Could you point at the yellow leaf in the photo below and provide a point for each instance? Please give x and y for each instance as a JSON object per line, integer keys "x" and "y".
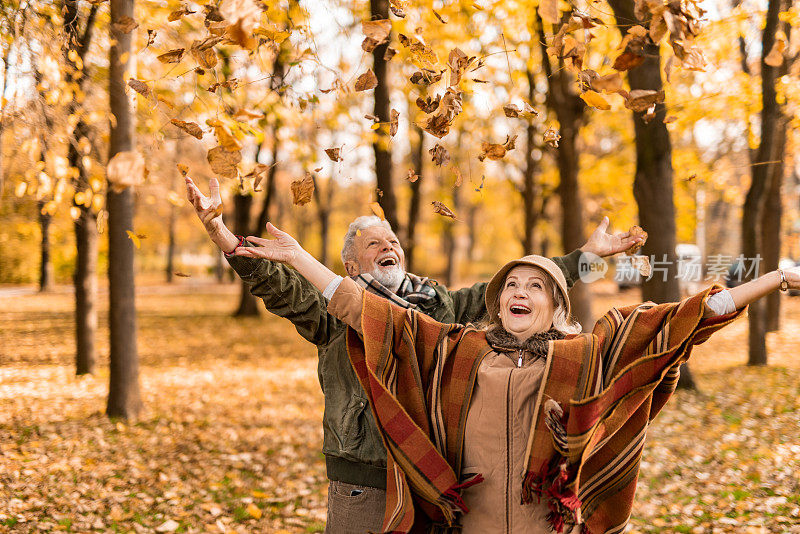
{"x": 254, "y": 510}
{"x": 596, "y": 100}
{"x": 133, "y": 237}
{"x": 259, "y": 494}
{"x": 377, "y": 210}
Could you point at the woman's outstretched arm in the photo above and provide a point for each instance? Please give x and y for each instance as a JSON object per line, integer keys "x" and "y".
{"x": 755, "y": 289}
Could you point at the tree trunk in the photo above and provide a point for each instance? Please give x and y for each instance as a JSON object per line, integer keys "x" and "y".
{"x": 248, "y": 304}
{"x": 379, "y": 10}
{"x": 171, "y": 244}
{"x": 6, "y": 57}
{"x": 45, "y": 265}
{"x": 417, "y": 149}
{"x": 653, "y": 181}
{"x": 771, "y": 232}
{"x": 529, "y": 186}
{"x": 85, "y": 281}
{"x": 755, "y": 199}
{"x": 124, "y": 396}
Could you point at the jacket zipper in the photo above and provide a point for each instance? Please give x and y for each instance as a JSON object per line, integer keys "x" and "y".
{"x": 519, "y": 362}
{"x": 508, "y": 452}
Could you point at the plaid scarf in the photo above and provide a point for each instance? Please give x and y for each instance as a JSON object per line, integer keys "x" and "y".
{"x": 599, "y": 393}
{"x": 413, "y": 290}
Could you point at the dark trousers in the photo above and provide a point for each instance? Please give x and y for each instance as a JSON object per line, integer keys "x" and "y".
{"x": 354, "y": 509}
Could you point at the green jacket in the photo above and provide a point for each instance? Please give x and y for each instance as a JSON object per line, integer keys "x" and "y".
{"x": 352, "y": 445}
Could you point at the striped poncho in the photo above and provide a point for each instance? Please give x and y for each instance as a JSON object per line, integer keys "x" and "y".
{"x": 599, "y": 393}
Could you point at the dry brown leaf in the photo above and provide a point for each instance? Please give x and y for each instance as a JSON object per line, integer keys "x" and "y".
{"x": 178, "y": 13}
{"x": 141, "y": 88}
{"x": 302, "y": 190}
{"x": 513, "y": 111}
{"x": 636, "y": 231}
{"x": 258, "y": 174}
{"x": 412, "y": 176}
{"x": 450, "y": 106}
{"x": 151, "y": 37}
{"x": 190, "y": 128}
{"x": 125, "y": 169}
{"x": 182, "y": 275}
{"x": 224, "y": 162}
{"x": 389, "y": 53}
{"x": 459, "y": 176}
{"x": 496, "y": 151}
{"x": 398, "y": 7}
{"x": 610, "y": 83}
{"x": 428, "y": 105}
{"x": 640, "y": 100}
{"x": 439, "y": 155}
{"x": 394, "y": 115}
{"x": 366, "y": 81}
{"x": 247, "y": 115}
{"x": 334, "y": 154}
{"x": 173, "y": 56}
{"x": 425, "y": 77}
{"x": 125, "y": 24}
{"x": 438, "y": 16}
{"x": 642, "y": 264}
{"x": 595, "y": 100}
{"x": 376, "y": 33}
{"x": 205, "y": 56}
{"x": 457, "y": 61}
{"x": 441, "y": 209}
{"x": 224, "y": 136}
{"x": 183, "y": 169}
{"x": 775, "y": 56}
{"x": 552, "y": 137}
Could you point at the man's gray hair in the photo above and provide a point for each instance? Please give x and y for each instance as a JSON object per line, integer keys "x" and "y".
{"x": 361, "y": 223}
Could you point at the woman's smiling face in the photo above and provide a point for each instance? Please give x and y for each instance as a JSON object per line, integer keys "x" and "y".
{"x": 526, "y": 302}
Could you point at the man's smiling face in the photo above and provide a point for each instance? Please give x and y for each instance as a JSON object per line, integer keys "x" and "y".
{"x": 378, "y": 252}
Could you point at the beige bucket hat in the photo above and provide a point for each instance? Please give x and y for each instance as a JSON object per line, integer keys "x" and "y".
{"x": 545, "y": 264}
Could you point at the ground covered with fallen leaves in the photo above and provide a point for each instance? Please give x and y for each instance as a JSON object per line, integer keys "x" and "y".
{"x": 230, "y": 437}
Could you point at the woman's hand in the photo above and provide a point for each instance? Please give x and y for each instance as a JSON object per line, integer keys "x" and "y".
{"x": 284, "y": 248}
{"x": 792, "y": 275}
{"x": 605, "y": 244}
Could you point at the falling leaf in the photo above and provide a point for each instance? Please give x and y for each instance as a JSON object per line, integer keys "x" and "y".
{"x": 151, "y": 37}
{"x": 552, "y": 137}
{"x": 182, "y": 275}
{"x": 223, "y": 162}
{"x": 371, "y": 117}
{"x": 125, "y": 24}
{"x": 334, "y": 154}
{"x": 173, "y": 56}
{"x": 136, "y": 243}
{"x": 428, "y": 105}
{"x": 302, "y": 190}
{"x": 420, "y": 54}
{"x": 125, "y": 169}
{"x": 394, "y": 115}
{"x": 258, "y": 174}
{"x": 459, "y": 176}
{"x": 203, "y": 52}
{"x": 650, "y": 114}
{"x": 483, "y": 180}
{"x": 377, "y": 210}
{"x": 548, "y": 10}
{"x": 636, "y": 231}
{"x": 640, "y": 100}
{"x": 183, "y": 169}
{"x": 178, "y": 13}
{"x": 439, "y": 17}
{"x": 412, "y": 176}
{"x": 450, "y": 106}
{"x": 642, "y": 264}
{"x": 609, "y": 83}
{"x": 595, "y": 100}
{"x": 439, "y": 155}
{"x": 225, "y": 138}
{"x": 457, "y": 61}
{"x": 398, "y": 7}
{"x": 425, "y": 77}
{"x": 443, "y": 210}
{"x": 254, "y": 510}
{"x": 775, "y": 56}
{"x": 513, "y": 111}
{"x": 247, "y": 115}
{"x": 366, "y": 81}
{"x": 496, "y": 151}
{"x": 141, "y": 88}
{"x": 376, "y": 32}
{"x": 389, "y": 53}
{"x": 191, "y": 128}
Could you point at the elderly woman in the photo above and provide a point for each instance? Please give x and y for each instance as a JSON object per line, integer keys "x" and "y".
{"x": 526, "y": 424}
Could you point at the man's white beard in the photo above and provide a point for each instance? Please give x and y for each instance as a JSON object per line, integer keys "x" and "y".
{"x": 389, "y": 277}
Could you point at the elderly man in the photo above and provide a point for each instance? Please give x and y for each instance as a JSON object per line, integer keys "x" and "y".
{"x": 354, "y": 453}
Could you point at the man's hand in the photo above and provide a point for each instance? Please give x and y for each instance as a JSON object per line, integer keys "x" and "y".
{"x": 208, "y": 209}
{"x": 604, "y": 244}
{"x": 283, "y": 248}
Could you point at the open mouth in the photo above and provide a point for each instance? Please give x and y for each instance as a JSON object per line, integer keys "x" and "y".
{"x": 519, "y": 309}
{"x": 388, "y": 261}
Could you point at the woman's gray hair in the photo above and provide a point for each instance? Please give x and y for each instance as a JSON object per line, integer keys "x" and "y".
{"x": 561, "y": 322}
{"x": 361, "y": 223}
